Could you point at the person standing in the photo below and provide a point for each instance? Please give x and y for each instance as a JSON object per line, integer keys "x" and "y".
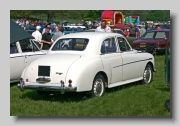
{"x": 158, "y": 27}
{"x": 103, "y": 27}
{"x": 43, "y": 31}
{"x": 57, "y": 34}
{"x": 133, "y": 31}
{"x": 46, "y": 38}
{"x": 112, "y": 30}
{"x": 126, "y": 32}
{"x": 35, "y": 23}
{"x": 37, "y": 35}
{"x": 142, "y": 30}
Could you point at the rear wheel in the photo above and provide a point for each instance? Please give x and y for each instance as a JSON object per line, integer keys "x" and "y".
{"x": 147, "y": 75}
{"x": 98, "y": 88}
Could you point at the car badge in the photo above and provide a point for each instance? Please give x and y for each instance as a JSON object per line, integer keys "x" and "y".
{"x": 59, "y": 73}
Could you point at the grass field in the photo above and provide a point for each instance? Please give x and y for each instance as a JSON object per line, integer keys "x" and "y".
{"x": 128, "y": 100}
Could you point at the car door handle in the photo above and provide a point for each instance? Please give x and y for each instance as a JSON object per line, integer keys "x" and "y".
{"x": 25, "y": 56}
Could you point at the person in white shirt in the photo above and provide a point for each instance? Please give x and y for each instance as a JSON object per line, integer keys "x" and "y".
{"x": 38, "y": 36}
{"x": 103, "y": 27}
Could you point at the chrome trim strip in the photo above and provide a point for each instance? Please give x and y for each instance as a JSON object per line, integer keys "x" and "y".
{"x": 43, "y": 80}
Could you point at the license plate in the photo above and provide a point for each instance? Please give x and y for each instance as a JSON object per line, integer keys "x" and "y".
{"x": 44, "y": 71}
{"x": 142, "y": 45}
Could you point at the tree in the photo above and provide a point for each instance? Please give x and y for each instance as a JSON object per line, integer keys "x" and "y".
{"x": 155, "y": 15}
{"x": 93, "y": 15}
{"x": 20, "y": 13}
{"x": 166, "y": 15}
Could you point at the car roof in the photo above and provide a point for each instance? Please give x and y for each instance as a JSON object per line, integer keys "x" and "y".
{"x": 158, "y": 30}
{"x": 89, "y": 35}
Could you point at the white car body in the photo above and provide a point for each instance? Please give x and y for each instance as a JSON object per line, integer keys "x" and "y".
{"x": 118, "y": 68}
{"x": 20, "y": 60}
{"x": 70, "y": 26}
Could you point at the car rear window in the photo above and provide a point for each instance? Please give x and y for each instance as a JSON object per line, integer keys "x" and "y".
{"x": 156, "y": 35}
{"x": 71, "y": 44}
{"x": 148, "y": 35}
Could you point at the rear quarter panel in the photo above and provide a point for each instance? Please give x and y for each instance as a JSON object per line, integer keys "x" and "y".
{"x": 145, "y": 59}
{"x": 83, "y": 71}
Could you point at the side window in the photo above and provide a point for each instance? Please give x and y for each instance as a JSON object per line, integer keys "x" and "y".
{"x": 108, "y": 46}
{"x": 26, "y": 45}
{"x": 13, "y": 48}
{"x": 123, "y": 45}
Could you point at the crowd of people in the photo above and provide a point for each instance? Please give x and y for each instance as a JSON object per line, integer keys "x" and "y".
{"x": 44, "y": 39}
{"x": 134, "y": 30}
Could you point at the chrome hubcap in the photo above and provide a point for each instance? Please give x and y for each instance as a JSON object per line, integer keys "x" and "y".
{"x": 98, "y": 87}
{"x": 147, "y": 75}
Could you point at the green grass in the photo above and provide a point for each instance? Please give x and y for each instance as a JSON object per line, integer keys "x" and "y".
{"x": 128, "y": 100}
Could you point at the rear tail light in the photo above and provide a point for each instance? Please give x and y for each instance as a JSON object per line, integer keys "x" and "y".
{"x": 27, "y": 80}
{"x": 62, "y": 83}
{"x": 70, "y": 81}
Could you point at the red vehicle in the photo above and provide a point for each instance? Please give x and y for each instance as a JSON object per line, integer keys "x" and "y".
{"x": 154, "y": 37}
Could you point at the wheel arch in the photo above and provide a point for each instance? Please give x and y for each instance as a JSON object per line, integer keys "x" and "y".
{"x": 150, "y": 63}
{"x": 105, "y": 77}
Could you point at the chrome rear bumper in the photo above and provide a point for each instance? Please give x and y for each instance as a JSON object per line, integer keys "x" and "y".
{"x": 24, "y": 86}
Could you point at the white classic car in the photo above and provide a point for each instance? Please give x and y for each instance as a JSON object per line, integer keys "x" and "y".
{"x": 23, "y": 51}
{"x": 91, "y": 62}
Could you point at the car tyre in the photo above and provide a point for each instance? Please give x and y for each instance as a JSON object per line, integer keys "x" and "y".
{"x": 148, "y": 74}
{"x": 98, "y": 88}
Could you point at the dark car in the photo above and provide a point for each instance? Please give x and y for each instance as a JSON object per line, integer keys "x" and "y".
{"x": 154, "y": 38}
{"x": 119, "y": 31}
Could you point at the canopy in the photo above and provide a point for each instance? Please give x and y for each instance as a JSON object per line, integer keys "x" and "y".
{"x": 17, "y": 33}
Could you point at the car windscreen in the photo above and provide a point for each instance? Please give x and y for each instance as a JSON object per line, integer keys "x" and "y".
{"x": 156, "y": 35}
{"x": 71, "y": 44}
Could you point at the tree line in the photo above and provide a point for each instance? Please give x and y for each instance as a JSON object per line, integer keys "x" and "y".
{"x": 50, "y": 15}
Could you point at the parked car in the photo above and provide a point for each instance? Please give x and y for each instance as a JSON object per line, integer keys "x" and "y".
{"x": 78, "y": 29}
{"x": 116, "y": 30}
{"x": 91, "y": 62}
{"x": 90, "y": 30}
{"x": 119, "y": 31}
{"x": 69, "y": 31}
{"x": 22, "y": 51}
{"x": 156, "y": 38}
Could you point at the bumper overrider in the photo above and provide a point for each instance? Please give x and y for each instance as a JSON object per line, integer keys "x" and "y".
{"x": 22, "y": 86}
